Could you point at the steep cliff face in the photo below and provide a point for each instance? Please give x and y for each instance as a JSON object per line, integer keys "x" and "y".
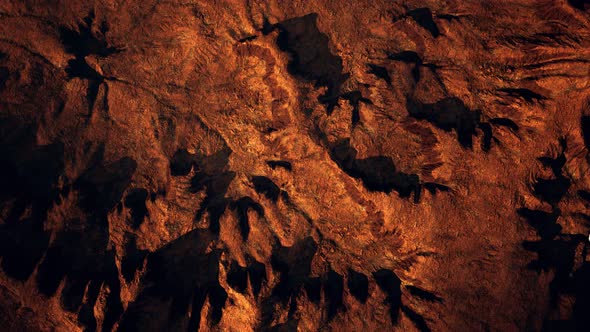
{"x": 294, "y": 165}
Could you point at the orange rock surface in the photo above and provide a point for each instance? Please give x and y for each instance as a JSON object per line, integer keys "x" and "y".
{"x": 250, "y": 165}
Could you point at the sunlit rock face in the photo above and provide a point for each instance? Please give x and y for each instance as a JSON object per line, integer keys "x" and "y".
{"x": 294, "y": 166}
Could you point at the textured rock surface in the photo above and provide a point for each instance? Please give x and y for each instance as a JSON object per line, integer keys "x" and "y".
{"x": 250, "y": 165}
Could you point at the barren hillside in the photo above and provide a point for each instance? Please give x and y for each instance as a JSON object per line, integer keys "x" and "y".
{"x": 251, "y": 165}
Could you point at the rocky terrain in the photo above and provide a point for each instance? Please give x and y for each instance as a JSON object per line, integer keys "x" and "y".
{"x": 251, "y": 165}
